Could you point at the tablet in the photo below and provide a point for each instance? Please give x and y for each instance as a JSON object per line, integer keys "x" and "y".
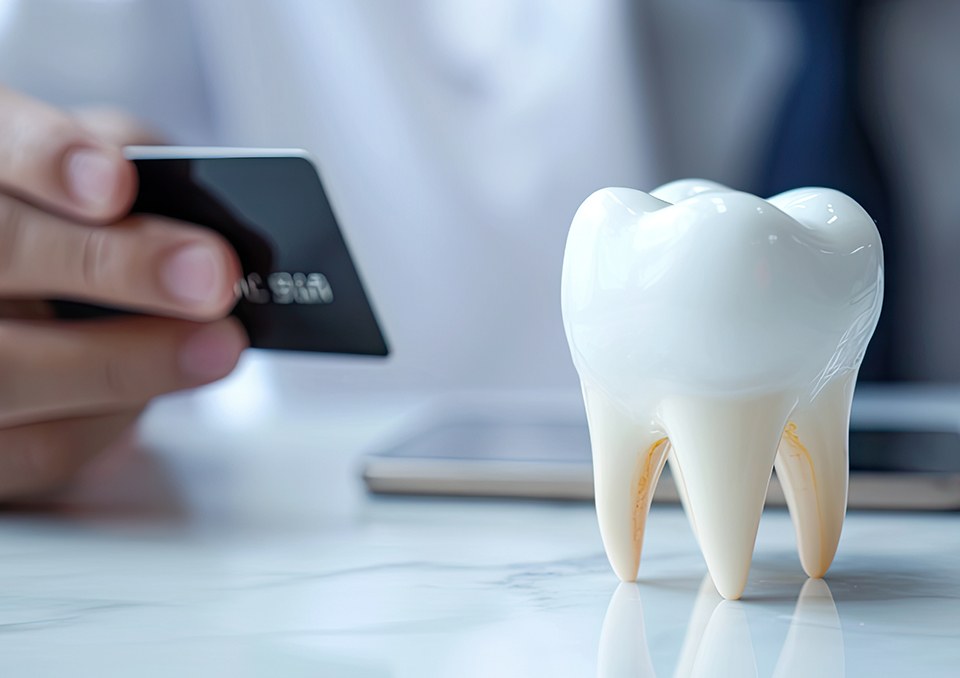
{"x": 895, "y": 463}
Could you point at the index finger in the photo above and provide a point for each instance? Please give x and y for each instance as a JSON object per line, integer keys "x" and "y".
{"x": 52, "y": 161}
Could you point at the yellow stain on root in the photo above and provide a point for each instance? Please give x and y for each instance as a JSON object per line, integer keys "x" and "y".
{"x": 643, "y": 488}
{"x": 799, "y": 450}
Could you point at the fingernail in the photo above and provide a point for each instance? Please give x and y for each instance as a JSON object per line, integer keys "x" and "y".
{"x": 193, "y": 274}
{"x": 91, "y": 177}
{"x": 212, "y": 351}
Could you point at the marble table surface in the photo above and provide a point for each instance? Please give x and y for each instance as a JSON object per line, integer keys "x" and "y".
{"x": 233, "y": 537}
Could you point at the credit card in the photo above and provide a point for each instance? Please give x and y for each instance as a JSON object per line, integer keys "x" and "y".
{"x": 300, "y": 289}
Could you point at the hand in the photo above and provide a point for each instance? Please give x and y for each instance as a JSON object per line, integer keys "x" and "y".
{"x": 68, "y": 389}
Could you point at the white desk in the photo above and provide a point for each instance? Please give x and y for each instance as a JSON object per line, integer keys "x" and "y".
{"x": 243, "y": 544}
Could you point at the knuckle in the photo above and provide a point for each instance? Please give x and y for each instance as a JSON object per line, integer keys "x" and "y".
{"x": 36, "y": 136}
{"x": 117, "y": 381}
{"x": 117, "y": 125}
{"x": 96, "y": 261}
{"x": 54, "y": 132}
{"x": 40, "y": 461}
{"x": 12, "y": 231}
{"x": 49, "y": 465}
{"x": 10, "y": 383}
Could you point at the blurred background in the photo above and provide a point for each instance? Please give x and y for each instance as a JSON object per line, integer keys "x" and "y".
{"x": 457, "y": 138}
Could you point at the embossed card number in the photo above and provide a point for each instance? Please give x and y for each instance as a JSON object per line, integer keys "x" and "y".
{"x": 286, "y": 288}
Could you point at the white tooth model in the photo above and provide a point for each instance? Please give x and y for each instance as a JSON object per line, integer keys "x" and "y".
{"x": 725, "y": 332}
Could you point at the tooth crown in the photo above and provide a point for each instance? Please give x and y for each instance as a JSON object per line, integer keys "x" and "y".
{"x": 721, "y": 292}
{"x": 691, "y": 313}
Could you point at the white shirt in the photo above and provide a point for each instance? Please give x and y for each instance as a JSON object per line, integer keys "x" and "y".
{"x": 457, "y": 137}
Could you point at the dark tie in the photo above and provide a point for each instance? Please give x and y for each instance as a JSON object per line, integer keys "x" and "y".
{"x": 819, "y": 139}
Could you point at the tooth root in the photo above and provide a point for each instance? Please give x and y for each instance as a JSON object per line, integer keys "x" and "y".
{"x": 628, "y": 456}
{"x": 703, "y": 607}
{"x": 813, "y": 470}
{"x": 725, "y": 449}
{"x": 677, "y": 474}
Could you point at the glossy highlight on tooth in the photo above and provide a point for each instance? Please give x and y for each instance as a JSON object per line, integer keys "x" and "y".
{"x": 723, "y": 333}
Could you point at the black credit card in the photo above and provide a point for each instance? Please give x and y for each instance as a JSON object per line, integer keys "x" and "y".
{"x": 300, "y": 289}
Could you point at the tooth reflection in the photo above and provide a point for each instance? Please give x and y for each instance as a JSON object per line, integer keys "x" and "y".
{"x": 623, "y": 639}
{"x": 717, "y": 636}
{"x": 718, "y": 640}
{"x": 814, "y": 645}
